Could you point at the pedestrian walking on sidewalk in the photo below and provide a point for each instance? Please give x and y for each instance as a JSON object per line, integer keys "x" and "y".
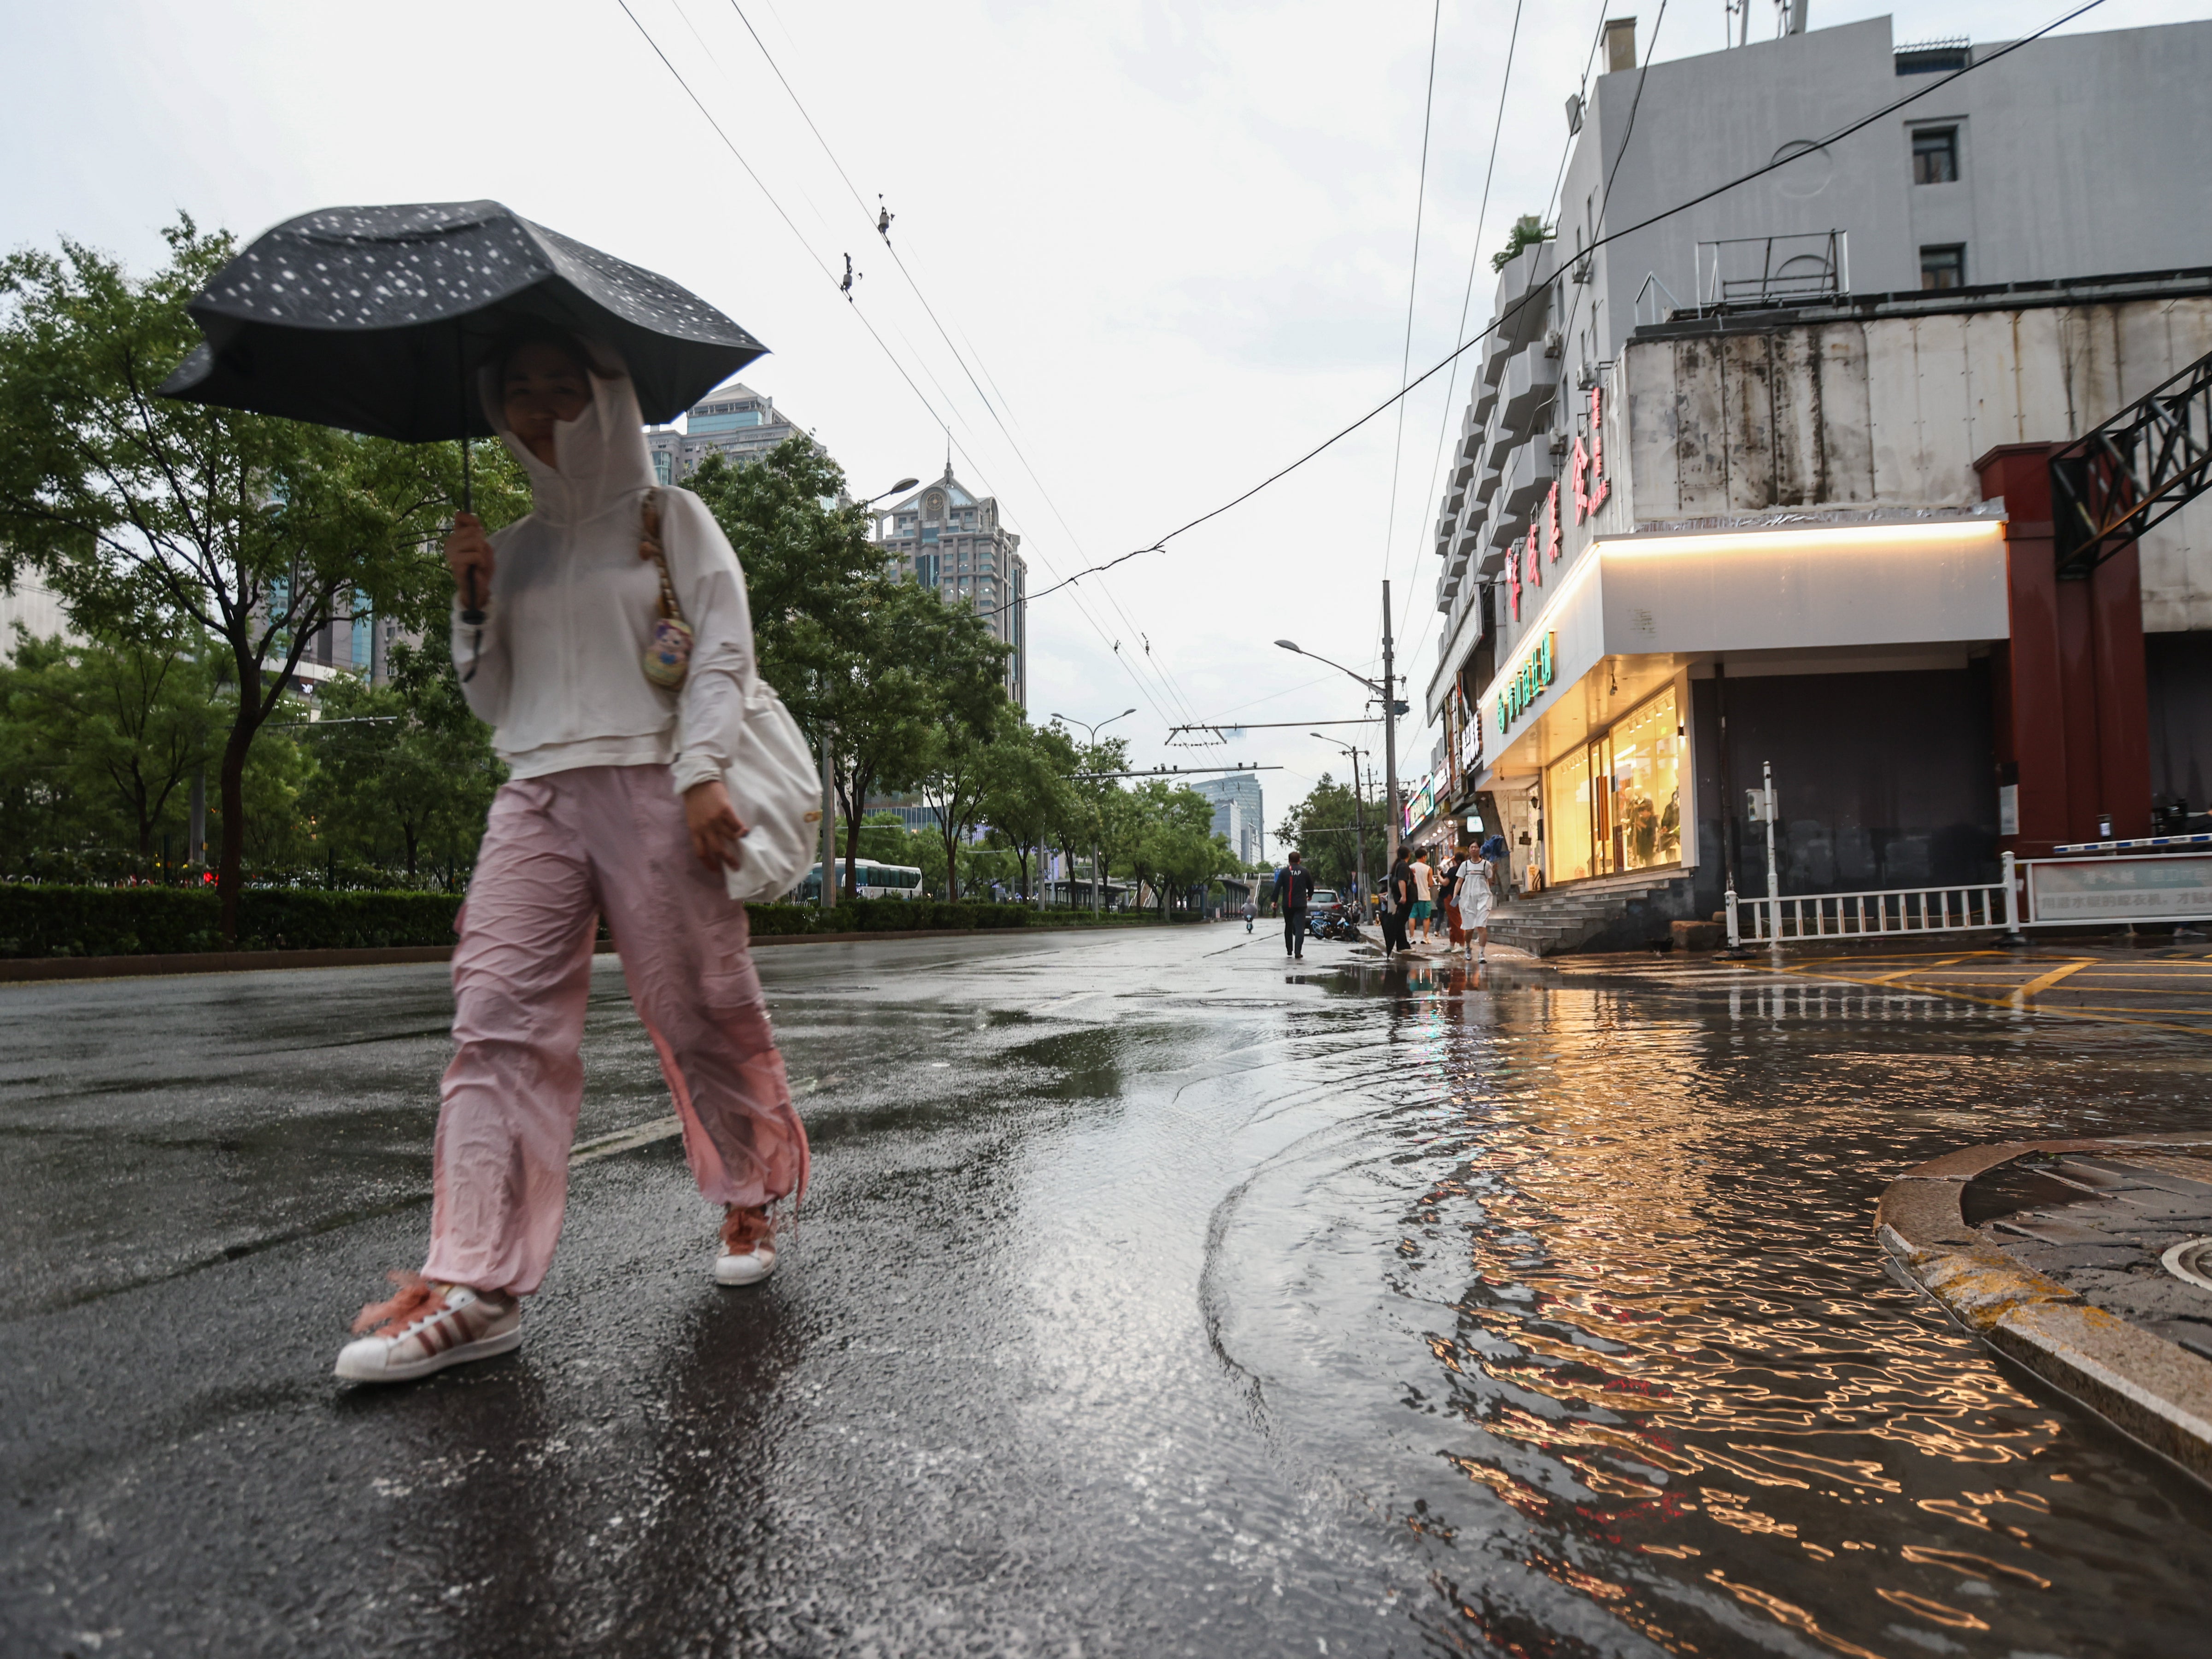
{"x": 614, "y": 806}
{"x": 1424, "y": 881}
{"x": 1453, "y": 868}
{"x": 1293, "y": 887}
{"x": 1397, "y": 905}
{"x": 1475, "y": 893}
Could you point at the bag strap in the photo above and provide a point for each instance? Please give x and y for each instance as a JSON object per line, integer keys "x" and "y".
{"x": 648, "y": 547}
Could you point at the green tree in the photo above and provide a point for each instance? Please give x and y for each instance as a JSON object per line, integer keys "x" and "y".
{"x": 809, "y": 565}
{"x": 405, "y": 767}
{"x": 1324, "y": 828}
{"x": 1026, "y": 789}
{"x": 150, "y": 516}
{"x": 1171, "y": 845}
{"x": 957, "y": 763}
{"x": 1528, "y": 228}
{"x": 115, "y": 730}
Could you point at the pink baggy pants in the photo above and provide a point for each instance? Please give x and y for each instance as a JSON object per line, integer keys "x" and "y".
{"x": 558, "y": 852}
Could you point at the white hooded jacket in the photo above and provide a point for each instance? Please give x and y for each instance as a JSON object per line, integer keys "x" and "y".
{"x": 560, "y": 671}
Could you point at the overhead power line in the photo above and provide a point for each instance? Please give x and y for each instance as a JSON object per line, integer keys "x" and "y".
{"x": 1414, "y": 279}
{"x": 1698, "y": 200}
{"x": 1166, "y": 676}
{"x": 882, "y": 345}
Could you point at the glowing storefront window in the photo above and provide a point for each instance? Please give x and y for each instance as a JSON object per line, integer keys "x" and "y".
{"x": 1567, "y": 841}
{"x": 1614, "y": 803}
{"x": 1647, "y": 794}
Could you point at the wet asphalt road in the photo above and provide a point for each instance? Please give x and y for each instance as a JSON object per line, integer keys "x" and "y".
{"x": 1106, "y": 1329}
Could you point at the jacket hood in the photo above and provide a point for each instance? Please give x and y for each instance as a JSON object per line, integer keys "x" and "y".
{"x": 601, "y": 453}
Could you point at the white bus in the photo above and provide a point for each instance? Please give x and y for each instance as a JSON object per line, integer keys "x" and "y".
{"x": 869, "y": 879}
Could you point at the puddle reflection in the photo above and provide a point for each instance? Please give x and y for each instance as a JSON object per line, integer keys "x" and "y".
{"x": 1590, "y": 1305}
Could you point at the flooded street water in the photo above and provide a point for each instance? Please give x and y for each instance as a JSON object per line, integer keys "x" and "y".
{"x": 1154, "y": 1297}
{"x": 1589, "y": 1303}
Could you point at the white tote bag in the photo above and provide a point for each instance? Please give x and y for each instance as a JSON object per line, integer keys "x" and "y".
{"x": 771, "y": 776}
{"x": 777, "y": 790}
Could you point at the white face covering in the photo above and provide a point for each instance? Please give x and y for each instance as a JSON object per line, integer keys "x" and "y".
{"x": 602, "y": 453}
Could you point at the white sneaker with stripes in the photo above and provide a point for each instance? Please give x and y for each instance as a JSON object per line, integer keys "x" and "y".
{"x": 748, "y": 1253}
{"x": 426, "y": 1327}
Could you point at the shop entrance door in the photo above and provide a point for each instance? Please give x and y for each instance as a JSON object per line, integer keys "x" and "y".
{"x": 1605, "y": 827}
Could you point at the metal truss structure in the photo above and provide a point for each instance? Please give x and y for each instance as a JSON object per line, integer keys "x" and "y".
{"x": 2137, "y": 470}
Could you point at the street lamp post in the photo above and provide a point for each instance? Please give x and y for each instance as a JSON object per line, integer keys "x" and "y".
{"x": 1094, "y": 732}
{"x": 1358, "y": 821}
{"x": 828, "y": 895}
{"x": 1386, "y": 691}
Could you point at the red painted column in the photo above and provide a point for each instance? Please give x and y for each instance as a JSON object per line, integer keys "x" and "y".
{"x": 2122, "y": 691}
{"x": 2034, "y": 692}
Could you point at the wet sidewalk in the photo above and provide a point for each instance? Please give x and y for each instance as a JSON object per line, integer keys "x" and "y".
{"x": 2083, "y": 1260}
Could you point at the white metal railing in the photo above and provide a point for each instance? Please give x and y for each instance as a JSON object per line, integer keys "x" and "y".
{"x": 1768, "y": 270}
{"x": 1947, "y": 909}
{"x": 1659, "y": 313}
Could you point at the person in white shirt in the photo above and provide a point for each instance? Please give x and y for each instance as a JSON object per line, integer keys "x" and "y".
{"x": 614, "y": 806}
{"x": 1424, "y": 885}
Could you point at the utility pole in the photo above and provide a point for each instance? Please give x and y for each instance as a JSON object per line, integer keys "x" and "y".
{"x": 828, "y": 828}
{"x": 1390, "y": 736}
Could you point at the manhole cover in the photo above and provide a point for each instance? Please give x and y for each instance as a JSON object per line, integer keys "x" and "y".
{"x": 2192, "y": 1260}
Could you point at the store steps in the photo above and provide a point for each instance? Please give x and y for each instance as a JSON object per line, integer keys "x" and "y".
{"x": 1609, "y": 913}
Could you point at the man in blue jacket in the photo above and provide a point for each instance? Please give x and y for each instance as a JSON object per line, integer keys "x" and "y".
{"x": 1293, "y": 887}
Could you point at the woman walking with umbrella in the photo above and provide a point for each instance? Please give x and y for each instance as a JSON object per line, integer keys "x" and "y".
{"x": 607, "y": 639}
{"x": 615, "y": 805}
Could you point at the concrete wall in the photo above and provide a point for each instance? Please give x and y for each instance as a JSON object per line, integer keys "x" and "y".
{"x": 1893, "y": 412}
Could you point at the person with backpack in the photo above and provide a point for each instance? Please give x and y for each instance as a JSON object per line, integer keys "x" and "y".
{"x": 1294, "y": 886}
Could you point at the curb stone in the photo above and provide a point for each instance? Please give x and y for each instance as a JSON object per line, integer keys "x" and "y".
{"x": 41, "y": 969}
{"x": 2153, "y": 1390}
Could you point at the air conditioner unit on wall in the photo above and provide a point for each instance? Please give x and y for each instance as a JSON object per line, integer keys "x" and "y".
{"x": 1553, "y": 343}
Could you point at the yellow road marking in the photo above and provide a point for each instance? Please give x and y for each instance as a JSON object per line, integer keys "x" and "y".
{"x": 1901, "y": 973}
{"x": 2048, "y": 1010}
{"x": 2045, "y": 981}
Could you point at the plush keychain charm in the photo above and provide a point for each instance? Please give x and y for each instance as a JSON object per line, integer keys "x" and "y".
{"x": 668, "y": 657}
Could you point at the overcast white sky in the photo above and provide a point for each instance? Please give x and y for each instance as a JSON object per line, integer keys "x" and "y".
{"x": 1176, "y": 241}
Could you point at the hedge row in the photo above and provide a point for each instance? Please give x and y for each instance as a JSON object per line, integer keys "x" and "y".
{"x": 123, "y": 921}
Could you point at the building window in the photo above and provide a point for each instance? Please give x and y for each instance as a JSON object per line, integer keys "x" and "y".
{"x": 1943, "y": 267}
{"x": 1934, "y": 56}
{"x": 1936, "y": 156}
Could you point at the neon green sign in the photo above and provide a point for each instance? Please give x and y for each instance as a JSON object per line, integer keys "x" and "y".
{"x": 1537, "y": 669}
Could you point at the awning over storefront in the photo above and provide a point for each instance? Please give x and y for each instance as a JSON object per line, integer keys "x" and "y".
{"x": 1633, "y": 611}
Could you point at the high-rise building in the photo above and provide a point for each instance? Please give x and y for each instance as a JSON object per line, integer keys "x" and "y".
{"x": 947, "y": 538}
{"x": 1238, "y": 812}
{"x": 732, "y": 420}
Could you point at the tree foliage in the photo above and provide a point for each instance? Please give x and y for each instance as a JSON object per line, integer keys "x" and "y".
{"x": 149, "y": 516}
{"x": 1324, "y": 828}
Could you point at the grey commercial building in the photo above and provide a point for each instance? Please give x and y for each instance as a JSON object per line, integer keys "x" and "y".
{"x": 947, "y": 537}
{"x": 1239, "y": 812}
{"x": 1746, "y": 469}
{"x": 733, "y": 421}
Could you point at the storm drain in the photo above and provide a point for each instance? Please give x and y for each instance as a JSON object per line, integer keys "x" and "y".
{"x": 2191, "y": 1260}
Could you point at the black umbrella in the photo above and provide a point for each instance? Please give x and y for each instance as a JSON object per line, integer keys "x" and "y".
{"x": 372, "y": 319}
